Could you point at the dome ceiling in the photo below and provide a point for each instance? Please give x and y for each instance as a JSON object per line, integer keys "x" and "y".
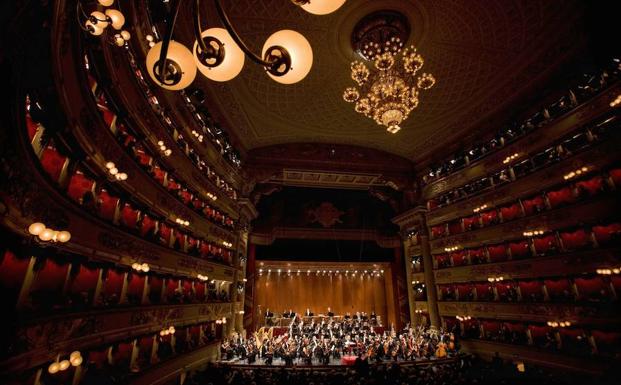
{"x": 485, "y": 56}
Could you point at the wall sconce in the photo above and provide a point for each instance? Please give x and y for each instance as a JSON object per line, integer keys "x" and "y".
{"x": 480, "y": 208}
{"x": 224, "y": 320}
{"x": 227, "y": 244}
{"x": 496, "y": 279}
{"x": 463, "y": 318}
{"x": 45, "y": 234}
{"x": 616, "y": 101}
{"x": 452, "y": 248}
{"x": 202, "y": 277}
{"x": 114, "y": 173}
{"x": 510, "y": 158}
{"x": 241, "y": 312}
{"x": 561, "y": 324}
{"x": 616, "y": 270}
{"x": 167, "y": 331}
{"x": 418, "y": 311}
{"x": 576, "y": 173}
{"x": 165, "y": 150}
{"x": 141, "y": 267}
{"x": 533, "y": 233}
{"x": 182, "y": 222}
{"x": 75, "y": 359}
{"x": 211, "y": 196}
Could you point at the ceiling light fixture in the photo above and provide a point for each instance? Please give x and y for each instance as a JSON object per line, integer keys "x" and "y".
{"x": 97, "y": 22}
{"x": 390, "y": 91}
{"x": 219, "y": 53}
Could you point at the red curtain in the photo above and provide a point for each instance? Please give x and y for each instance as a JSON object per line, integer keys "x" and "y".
{"x": 497, "y": 253}
{"x": 114, "y": 284}
{"x": 455, "y": 227}
{"x": 32, "y": 127}
{"x": 607, "y": 341}
{"x": 135, "y": 285}
{"x": 147, "y": 225}
{"x": 575, "y": 240}
{"x": 465, "y": 291}
{"x": 591, "y": 186}
{"x": 85, "y": 280}
{"x": 544, "y": 244}
{"x": 79, "y": 184}
{"x": 143, "y": 158}
{"x": 477, "y": 254}
{"x": 471, "y": 222}
{"x": 560, "y": 197}
{"x": 615, "y": 175}
{"x": 187, "y": 287}
{"x": 107, "y": 205}
{"x": 509, "y": 213}
{"x": 459, "y": 258}
{"x": 53, "y": 162}
{"x": 98, "y": 357}
{"x": 155, "y": 285}
{"x": 172, "y": 185}
{"x": 122, "y": 353}
{"x": 539, "y": 331}
{"x": 607, "y": 234}
{"x": 531, "y": 290}
{"x": 164, "y": 234}
{"x": 491, "y": 326}
{"x": 484, "y": 292}
{"x": 159, "y": 174}
{"x": 199, "y": 287}
{"x": 145, "y": 344}
{"x": 558, "y": 287}
{"x": 489, "y": 217}
{"x": 171, "y": 286}
{"x": 12, "y": 270}
{"x": 51, "y": 277}
{"x": 438, "y": 231}
{"x": 594, "y": 288}
{"x": 519, "y": 249}
{"x": 185, "y": 196}
{"x": 533, "y": 205}
{"x": 198, "y": 204}
{"x": 129, "y": 216}
{"x": 515, "y": 327}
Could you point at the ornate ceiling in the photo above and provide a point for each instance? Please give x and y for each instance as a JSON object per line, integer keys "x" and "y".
{"x": 485, "y": 54}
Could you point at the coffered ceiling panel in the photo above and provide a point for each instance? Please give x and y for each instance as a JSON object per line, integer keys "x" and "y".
{"x": 485, "y": 54}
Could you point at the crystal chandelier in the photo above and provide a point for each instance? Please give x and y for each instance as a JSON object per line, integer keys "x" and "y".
{"x": 388, "y": 92}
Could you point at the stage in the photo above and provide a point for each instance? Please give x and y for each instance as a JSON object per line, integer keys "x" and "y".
{"x": 343, "y": 361}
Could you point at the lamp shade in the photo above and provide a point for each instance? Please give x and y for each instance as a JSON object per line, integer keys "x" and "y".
{"x": 180, "y": 63}
{"x": 322, "y": 7}
{"x": 300, "y": 51}
{"x": 99, "y": 19}
{"x": 36, "y": 228}
{"x": 116, "y": 18}
{"x": 53, "y": 368}
{"x": 233, "y": 57}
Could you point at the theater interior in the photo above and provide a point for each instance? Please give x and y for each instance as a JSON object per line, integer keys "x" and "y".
{"x": 325, "y": 191}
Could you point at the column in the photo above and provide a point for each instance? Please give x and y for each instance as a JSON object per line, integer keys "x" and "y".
{"x": 430, "y": 280}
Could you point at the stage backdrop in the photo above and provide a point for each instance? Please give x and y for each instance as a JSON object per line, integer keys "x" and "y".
{"x": 342, "y": 292}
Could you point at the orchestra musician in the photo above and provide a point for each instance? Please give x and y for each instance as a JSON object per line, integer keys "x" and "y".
{"x": 330, "y": 312}
{"x": 308, "y": 313}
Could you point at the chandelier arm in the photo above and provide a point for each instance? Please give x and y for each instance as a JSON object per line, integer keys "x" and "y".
{"x": 197, "y": 26}
{"x": 171, "y": 20}
{"x": 229, "y": 27}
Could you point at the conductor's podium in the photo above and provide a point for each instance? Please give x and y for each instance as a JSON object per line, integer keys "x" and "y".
{"x": 348, "y": 360}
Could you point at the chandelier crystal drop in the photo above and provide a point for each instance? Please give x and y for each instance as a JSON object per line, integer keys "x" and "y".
{"x": 389, "y": 92}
